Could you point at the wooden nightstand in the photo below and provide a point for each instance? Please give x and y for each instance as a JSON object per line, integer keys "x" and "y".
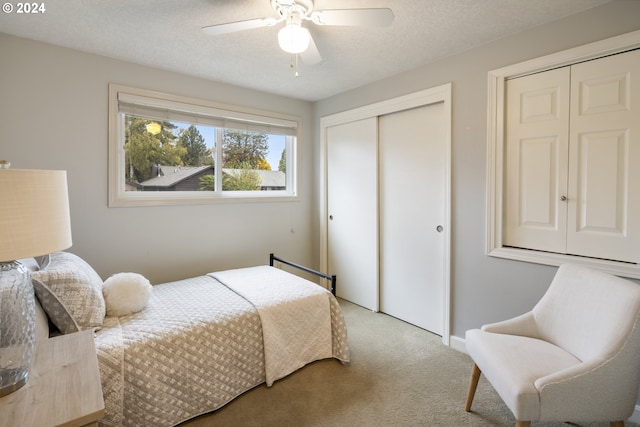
{"x": 63, "y": 388}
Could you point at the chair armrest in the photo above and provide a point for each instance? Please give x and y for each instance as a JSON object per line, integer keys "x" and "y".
{"x": 597, "y": 389}
{"x": 523, "y": 325}
{"x": 565, "y": 376}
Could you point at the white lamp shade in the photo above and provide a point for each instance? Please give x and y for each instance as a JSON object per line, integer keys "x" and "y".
{"x": 293, "y": 38}
{"x": 34, "y": 213}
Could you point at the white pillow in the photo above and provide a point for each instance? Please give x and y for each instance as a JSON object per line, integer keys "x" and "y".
{"x": 126, "y": 293}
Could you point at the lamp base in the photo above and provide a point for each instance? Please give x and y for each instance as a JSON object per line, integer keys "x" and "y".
{"x": 14, "y": 379}
{"x": 17, "y": 326}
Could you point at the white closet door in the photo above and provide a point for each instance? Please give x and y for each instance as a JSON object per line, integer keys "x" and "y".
{"x": 604, "y": 183}
{"x": 536, "y": 150}
{"x": 412, "y": 168}
{"x": 352, "y": 206}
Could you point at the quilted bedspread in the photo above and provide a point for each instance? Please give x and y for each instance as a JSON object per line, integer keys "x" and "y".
{"x": 295, "y": 316}
{"x": 199, "y": 344}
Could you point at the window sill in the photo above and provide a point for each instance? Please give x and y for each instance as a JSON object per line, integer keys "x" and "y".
{"x": 172, "y": 198}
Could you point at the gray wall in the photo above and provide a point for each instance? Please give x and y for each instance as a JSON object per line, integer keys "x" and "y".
{"x": 53, "y": 115}
{"x": 486, "y": 289}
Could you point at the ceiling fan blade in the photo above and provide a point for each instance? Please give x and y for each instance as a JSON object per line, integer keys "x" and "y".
{"x": 354, "y": 17}
{"x": 311, "y": 56}
{"x": 232, "y": 27}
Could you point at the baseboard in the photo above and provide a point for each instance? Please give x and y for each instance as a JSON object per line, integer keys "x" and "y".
{"x": 457, "y": 343}
{"x": 635, "y": 417}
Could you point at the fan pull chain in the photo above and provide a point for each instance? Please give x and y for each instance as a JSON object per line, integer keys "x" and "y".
{"x": 294, "y": 64}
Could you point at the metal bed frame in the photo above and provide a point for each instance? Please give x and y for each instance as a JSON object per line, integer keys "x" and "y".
{"x": 331, "y": 278}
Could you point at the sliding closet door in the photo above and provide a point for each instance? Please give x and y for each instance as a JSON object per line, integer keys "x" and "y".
{"x": 413, "y": 186}
{"x": 352, "y": 207}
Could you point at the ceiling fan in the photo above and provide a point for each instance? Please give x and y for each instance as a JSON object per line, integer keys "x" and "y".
{"x": 293, "y": 37}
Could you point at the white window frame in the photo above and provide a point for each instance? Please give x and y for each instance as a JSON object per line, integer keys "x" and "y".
{"x": 268, "y": 122}
{"x": 495, "y": 151}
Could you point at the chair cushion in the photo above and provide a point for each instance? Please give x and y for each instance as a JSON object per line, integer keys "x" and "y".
{"x": 513, "y": 363}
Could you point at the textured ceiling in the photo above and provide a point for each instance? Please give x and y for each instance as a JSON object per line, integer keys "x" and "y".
{"x": 167, "y": 34}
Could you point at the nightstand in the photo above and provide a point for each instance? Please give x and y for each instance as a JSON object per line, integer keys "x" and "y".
{"x": 63, "y": 388}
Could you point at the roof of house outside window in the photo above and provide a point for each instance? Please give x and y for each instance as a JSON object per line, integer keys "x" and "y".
{"x": 170, "y": 176}
{"x": 269, "y": 178}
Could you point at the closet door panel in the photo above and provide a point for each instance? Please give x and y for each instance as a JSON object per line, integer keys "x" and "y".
{"x": 604, "y": 177}
{"x": 536, "y": 150}
{"x": 352, "y": 207}
{"x": 412, "y": 173}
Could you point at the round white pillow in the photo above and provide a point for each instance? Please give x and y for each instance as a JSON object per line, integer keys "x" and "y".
{"x": 126, "y": 293}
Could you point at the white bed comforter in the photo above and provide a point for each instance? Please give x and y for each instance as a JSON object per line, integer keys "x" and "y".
{"x": 295, "y": 316}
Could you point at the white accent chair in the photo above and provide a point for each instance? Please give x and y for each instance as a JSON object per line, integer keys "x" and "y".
{"x": 574, "y": 357}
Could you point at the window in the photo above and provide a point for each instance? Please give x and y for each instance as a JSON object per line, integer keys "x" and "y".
{"x": 166, "y": 150}
{"x": 498, "y": 181}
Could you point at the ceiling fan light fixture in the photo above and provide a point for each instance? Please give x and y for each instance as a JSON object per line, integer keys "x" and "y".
{"x": 293, "y": 38}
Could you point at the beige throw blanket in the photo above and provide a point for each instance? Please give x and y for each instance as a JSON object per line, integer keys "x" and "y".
{"x": 295, "y": 333}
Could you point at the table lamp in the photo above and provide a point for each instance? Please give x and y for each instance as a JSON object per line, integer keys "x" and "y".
{"x": 34, "y": 221}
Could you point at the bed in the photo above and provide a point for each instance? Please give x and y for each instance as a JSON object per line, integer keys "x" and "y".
{"x": 198, "y": 343}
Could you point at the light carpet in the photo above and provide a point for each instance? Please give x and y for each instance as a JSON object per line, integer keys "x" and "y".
{"x": 399, "y": 375}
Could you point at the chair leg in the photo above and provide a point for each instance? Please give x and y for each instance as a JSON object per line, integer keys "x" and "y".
{"x": 523, "y": 423}
{"x": 473, "y": 384}
{"x": 617, "y": 423}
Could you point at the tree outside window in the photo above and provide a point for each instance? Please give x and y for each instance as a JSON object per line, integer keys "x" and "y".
{"x": 158, "y": 154}
{"x": 167, "y": 149}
